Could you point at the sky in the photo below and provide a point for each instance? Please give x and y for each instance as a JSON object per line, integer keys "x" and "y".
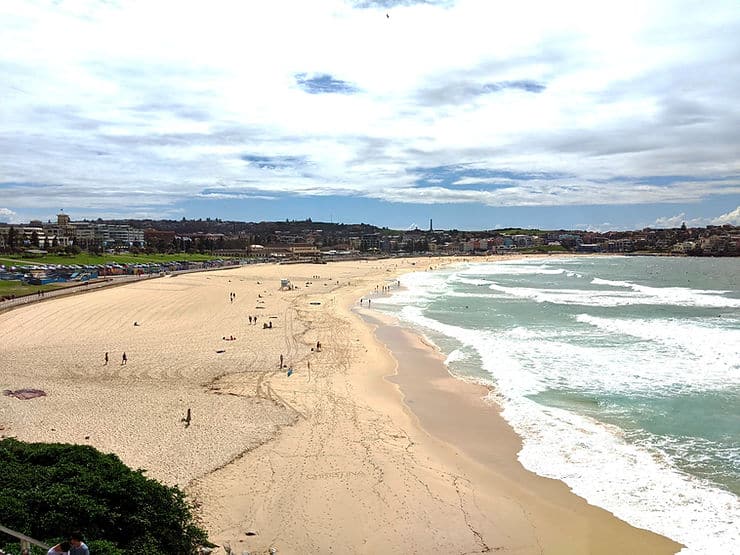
{"x": 472, "y": 114}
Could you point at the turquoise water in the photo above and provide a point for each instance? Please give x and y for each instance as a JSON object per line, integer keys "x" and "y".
{"x": 622, "y": 375}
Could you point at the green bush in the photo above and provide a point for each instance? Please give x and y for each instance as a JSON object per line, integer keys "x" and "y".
{"x": 48, "y": 490}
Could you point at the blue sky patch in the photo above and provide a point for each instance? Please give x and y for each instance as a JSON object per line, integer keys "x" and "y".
{"x": 324, "y": 83}
{"x": 448, "y": 176}
{"x": 273, "y": 162}
{"x": 523, "y": 85}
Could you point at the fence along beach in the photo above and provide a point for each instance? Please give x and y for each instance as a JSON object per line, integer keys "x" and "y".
{"x": 331, "y": 458}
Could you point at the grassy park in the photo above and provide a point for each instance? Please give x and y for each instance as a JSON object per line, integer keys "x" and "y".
{"x": 18, "y": 288}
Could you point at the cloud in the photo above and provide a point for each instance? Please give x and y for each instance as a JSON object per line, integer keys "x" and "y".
{"x": 523, "y": 85}
{"x": 273, "y": 162}
{"x": 397, "y": 3}
{"x": 670, "y": 221}
{"x": 599, "y": 228}
{"x": 464, "y": 92}
{"x": 604, "y": 105}
{"x": 233, "y": 195}
{"x": 732, "y": 218}
{"x": 324, "y": 84}
{"x": 8, "y": 216}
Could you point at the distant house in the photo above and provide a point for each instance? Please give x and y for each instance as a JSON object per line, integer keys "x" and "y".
{"x": 588, "y": 247}
{"x": 303, "y": 249}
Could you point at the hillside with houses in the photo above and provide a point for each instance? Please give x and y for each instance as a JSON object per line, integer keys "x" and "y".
{"x": 302, "y": 239}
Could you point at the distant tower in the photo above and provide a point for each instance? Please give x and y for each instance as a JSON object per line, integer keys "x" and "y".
{"x": 430, "y": 225}
{"x": 62, "y": 219}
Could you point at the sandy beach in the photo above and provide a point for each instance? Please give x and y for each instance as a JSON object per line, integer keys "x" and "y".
{"x": 368, "y": 446}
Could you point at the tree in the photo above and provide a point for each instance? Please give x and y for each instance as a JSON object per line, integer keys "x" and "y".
{"x": 12, "y": 238}
{"x": 46, "y": 490}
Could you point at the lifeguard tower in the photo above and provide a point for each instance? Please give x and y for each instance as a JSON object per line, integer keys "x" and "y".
{"x": 285, "y": 285}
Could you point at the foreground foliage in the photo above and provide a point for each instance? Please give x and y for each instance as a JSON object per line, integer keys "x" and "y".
{"x": 48, "y": 490}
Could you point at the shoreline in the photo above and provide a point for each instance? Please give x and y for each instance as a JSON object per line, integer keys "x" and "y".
{"x": 456, "y": 412}
{"x": 328, "y": 459}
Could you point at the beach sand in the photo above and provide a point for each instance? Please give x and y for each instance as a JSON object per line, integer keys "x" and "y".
{"x": 334, "y": 458}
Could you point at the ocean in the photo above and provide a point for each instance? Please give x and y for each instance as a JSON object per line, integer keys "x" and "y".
{"x": 621, "y": 374}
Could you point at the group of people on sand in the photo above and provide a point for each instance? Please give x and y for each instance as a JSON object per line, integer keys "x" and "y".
{"x": 124, "y": 359}
{"x": 232, "y": 296}
{"x": 252, "y": 320}
{"x": 75, "y": 546}
{"x": 230, "y": 338}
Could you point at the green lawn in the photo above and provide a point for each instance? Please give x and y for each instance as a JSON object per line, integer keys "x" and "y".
{"x": 89, "y": 259}
{"x": 18, "y": 288}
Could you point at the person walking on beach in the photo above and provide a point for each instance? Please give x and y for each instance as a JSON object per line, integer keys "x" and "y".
{"x": 186, "y": 419}
{"x": 281, "y": 360}
{"x": 124, "y": 360}
{"x": 106, "y": 359}
{"x": 78, "y": 544}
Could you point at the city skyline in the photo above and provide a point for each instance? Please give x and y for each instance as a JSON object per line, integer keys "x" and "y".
{"x": 534, "y": 115}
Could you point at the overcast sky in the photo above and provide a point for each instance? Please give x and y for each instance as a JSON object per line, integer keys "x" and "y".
{"x": 478, "y": 114}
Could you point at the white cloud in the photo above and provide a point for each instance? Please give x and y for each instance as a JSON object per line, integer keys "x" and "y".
{"x": 600, "y": 228}
{"x": 670, "y": 221}
{"x": 104, "y": 100}
{"x": 8, "y": 216}
{"x": 732, "y": 218}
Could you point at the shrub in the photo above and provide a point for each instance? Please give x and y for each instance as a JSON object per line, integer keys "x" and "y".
{"x": 48, "y": 490}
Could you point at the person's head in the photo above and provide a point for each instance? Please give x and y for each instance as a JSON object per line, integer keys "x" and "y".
{"x": 75, "y": 538}
{"x": 65, "y": 546}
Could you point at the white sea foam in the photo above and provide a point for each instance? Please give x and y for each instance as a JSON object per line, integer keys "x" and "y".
{"x": 513, "y": 270}
{"x": 674, "y": 296}
{"x": 456, "y": 356}
{"x": 681, "y": 296}
{"x": 475, "y": 295}
{"x": 536, "y": 361}
{"x": 418, "y": 287}
{"x": 569, "y": 296}
{"x": 599, "y": 281}
{"x": 713, "y": 353}
{"x": 460, "y": 279}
